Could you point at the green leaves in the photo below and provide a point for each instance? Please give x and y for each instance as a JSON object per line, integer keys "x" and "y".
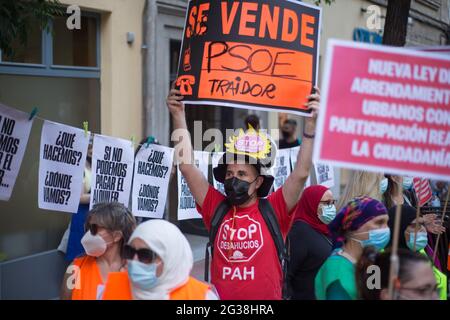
{"x": 17, "y": 17}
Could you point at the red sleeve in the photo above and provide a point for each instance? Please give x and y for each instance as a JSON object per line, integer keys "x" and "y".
{"x": 284, "y": 216}
{"x": 212, "y": 200}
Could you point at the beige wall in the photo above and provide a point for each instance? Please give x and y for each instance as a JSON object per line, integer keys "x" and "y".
{"x": 121, "y": 65}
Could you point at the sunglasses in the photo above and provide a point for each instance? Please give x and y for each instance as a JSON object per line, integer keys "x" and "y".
{"x": 144, "y": 255}
{"x": 93, "y": 228}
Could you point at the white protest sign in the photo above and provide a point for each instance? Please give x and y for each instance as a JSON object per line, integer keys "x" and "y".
{"x": 215, "y": 158}
{"x": 15, "y": 129}
{"x": 186, "y": 201}
{"x": 324, "y": 175}
{"x": 112, "y": 169}
{"x": 61, "y": 166}
{"x": 294, "y": 156}
{"x": 152, "y": 169}
{"x": 281, "y": 168}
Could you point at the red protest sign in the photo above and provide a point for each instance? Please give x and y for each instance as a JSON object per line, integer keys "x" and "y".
{"x": 257, "y": 54}
{"x": 385, "y": 109}
{"x": 423, "y": 190}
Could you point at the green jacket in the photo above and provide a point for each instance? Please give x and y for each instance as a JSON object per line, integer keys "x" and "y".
{"x": 441, "y": 279}
{"x": 336, "y": 268}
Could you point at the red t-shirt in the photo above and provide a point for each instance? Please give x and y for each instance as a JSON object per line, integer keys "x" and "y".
{"x": 245, "y": 265}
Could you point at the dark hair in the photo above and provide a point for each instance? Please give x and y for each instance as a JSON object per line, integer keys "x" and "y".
{"x": 291, "y": 122}
{"x": 113, "y": 216}
{"x": 252, "y": 120}
{"x": 387, "y": 195}
{"x": 407, "y": 216}
{"x": 369, "y": 257}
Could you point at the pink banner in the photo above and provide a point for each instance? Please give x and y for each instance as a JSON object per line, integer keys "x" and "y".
{"x": 386, "y": 110}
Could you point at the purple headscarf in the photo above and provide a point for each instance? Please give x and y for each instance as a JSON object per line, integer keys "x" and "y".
{"x": 351, "y": 217}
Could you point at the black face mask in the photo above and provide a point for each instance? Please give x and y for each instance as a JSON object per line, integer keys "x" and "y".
{"x": 285, "y": 134}
{"x": 237, "y": 190}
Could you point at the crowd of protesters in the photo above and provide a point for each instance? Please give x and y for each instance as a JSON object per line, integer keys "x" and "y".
{"x": 312, "y": 246}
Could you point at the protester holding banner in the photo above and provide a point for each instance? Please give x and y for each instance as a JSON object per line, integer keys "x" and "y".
{"x": 76, "y": 226}
{"x": 159, "y": 261}
{"x": 246, "y": 266}
{"x": 288, "y": 134}
{"x": 416, "y": 241}
{"x": 108, "y": 228}
{"x": 415, "y": 279}
{"x": 361, "y": 223}
{"x": 309, "y": 240}
{"x": 363, "y": 183}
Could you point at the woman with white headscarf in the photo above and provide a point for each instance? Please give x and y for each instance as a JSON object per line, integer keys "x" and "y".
{"x": 159, "y": 261}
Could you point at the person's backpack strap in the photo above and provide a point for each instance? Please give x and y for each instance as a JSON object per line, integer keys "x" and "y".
{"x": 217, "y": 218}
{"x": 271, "y": 221}
{"x": 270, "y": 218}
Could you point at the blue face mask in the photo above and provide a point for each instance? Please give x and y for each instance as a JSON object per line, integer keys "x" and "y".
{"x": 328, "y": 214}
{"x": 378, "y": 238}
{"x": 383, "y": 185}
{"x": 407, "y": 183}
{"x": 421, "y": 242}
{"x": 143, "y": 276}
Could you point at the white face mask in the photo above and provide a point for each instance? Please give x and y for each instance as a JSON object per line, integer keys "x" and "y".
{"x": 95, "y": 246}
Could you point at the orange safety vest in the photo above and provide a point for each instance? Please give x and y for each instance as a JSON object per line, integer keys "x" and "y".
{"x": 89, "y": 279}
{"x": 192, "y": 290}
{"x": 118, "y": 288}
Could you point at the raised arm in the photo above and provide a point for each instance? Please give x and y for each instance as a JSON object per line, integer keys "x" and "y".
{"x": 295, "y": 183}
{"x": 184, "y": 154}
